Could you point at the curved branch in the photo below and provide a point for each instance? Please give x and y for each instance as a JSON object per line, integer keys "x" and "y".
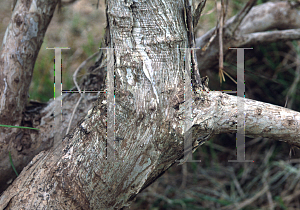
{"x": 264, "y": 17}
{"x": 268, "y": 37}
{"x": 240, "y": 17}
{"x": 219, "y": 114}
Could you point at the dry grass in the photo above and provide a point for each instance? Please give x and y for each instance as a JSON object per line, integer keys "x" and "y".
{"x": 271, "y": 182}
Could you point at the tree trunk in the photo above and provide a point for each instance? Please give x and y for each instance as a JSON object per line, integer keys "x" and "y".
{"x": 77, "y": 173}
{"x": 21, "y": 44}
{"x": 150, "y": 124}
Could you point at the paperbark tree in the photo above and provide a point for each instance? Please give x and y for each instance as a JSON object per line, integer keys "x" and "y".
{"x": 149, "y": 39}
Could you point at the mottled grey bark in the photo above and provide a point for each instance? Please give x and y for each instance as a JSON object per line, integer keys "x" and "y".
{"x": 21, "y": 44}
{"x": 148, "y": 77}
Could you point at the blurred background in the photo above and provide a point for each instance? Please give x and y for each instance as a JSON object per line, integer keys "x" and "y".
{"x": 271, "y": 182}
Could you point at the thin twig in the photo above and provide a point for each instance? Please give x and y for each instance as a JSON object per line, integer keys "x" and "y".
{"x": 237, "y": 184}
{"x": 184, "y": 176}
{"x": 77, "y": 86}
{"x": 209, "y": 12}
{"x": 214, "y": 33}
{"x": 269, "y": 194}
{"x": 240, "y": 16}
{"x": 221, "y": 55}
{"x": 293, "y": 87}
{"x": 268, "y": 37}
{"x": 80, "y": 67}
{"x": 74, "y": 110}
{"x": 198, "y": 12}
{"x": 229, "y": 77}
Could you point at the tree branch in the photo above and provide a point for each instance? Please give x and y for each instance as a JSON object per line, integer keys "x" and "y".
{"x": 264, "y": 17}
{"x": 21, "y": 44}
{"x": 268, "y": 37}
{"x": 261, "y": 119}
